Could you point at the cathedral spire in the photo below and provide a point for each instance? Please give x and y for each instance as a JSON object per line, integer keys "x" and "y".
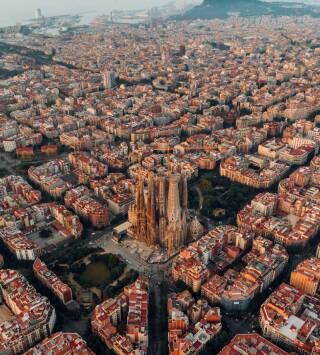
{"x": 161, "y": 218}
{"x": 174, "y": 208}
{"x": 151, "y": 212}
{"x": 141, "y": 228}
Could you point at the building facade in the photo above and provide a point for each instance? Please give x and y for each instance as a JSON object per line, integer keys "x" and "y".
{"x": 159, "y": 216}
{"x": 33, "y": 316}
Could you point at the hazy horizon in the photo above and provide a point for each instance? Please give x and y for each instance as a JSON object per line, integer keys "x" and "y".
{"x": 13, "y": 11}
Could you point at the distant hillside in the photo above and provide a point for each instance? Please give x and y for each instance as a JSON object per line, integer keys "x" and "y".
{"x": 210, "y": 9}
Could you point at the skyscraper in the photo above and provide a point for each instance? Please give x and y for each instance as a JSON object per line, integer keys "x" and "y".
{"x": 38, "y": 14}
{"x": 159, "y": 218}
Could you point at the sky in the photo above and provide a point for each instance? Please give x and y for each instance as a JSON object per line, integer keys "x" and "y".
{"x": 12, "y": 11}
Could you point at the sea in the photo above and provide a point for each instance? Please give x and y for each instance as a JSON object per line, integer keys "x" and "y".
{"x": 20, "y": 11}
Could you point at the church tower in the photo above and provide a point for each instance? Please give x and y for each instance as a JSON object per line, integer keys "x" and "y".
{"x": 151, "y": 212}
{"x": 141, "y": 228}
{"x": 160, "y": 218}
{"x": 174, "y": 233}
{"x": 162, "y": 206}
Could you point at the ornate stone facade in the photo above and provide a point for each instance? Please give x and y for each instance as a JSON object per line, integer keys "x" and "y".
{"x": 159, "y": 216}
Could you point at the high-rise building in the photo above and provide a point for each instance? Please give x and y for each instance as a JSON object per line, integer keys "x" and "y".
{"x": 38, "y": 14}
{"x": 159, "y": 216}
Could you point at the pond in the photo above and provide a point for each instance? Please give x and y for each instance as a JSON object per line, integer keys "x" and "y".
{"x": 96, "y": 273}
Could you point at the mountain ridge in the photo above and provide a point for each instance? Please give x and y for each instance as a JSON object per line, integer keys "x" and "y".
{"x": 210, "y": 9}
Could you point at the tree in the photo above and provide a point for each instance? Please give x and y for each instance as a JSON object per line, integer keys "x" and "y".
{"x": 193, "y": 199}
{"x": 78, "y": 267}
{"x": 205, "y": 186}
{"x": 207, "y": 204}
{"x": 45, "y": 233}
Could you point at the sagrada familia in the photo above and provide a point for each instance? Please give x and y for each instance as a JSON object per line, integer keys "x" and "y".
{"x": 159, "y": 218}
